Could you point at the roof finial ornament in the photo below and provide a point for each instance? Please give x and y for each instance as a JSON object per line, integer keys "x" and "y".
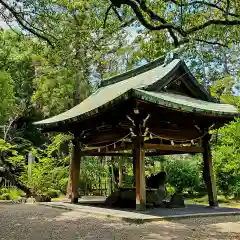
{"x": 174, "y": 54}
{"x": 168, "y": 58}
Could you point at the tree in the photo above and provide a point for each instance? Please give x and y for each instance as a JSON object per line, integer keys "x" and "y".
{"x": 7, "y": 96}
{"x": 68, "y": 73}
{"x": 184, "y": 21}
{"x": 16, "y": 63}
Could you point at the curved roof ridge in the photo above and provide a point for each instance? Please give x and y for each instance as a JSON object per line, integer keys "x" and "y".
{"x": 133, "y": 72}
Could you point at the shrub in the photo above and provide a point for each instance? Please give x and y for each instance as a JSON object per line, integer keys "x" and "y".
{"x": 5, "y": 196}
{"x": 170, "y": 190}
{"x": 10, "y": 194}
{"x": 52, "y": 193}
{"x": 183, "y": 174}
{"x": 4, "y": 190}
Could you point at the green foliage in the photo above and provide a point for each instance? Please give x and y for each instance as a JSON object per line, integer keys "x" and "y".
{"x": 5, "y": 196}
{"x": 6, "y": 95}
{"x": 94, "y": 170}
{"x": 10, "y": 158}
{"x": 183, "y": 174}
{"x": 170, "y": 190}
{"x": 37, "y": 81}
{"x": 53, "y": 193}
{"x": 10, "y": 193}
{"x": 49, "y": 175}
{"x": 226, "y": 158}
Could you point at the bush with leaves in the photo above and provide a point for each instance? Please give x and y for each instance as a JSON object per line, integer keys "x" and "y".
{"x": 11, "y": 165}
{"x": 10, "y": 193}
{"x": 49, "y": 175}
{"x": 226, "y": 156}
{"x": 184, "y": 173}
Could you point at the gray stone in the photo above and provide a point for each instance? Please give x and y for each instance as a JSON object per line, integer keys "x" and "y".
{"x": 176, "y": 201}
{"x": 42, "y": 198}
{"x": 30, "y": 200}
{"x": 126, "y": 198}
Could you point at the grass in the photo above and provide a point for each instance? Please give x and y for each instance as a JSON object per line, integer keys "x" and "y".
{"x": 223, "y": 201}
{"x": 59, "y": 198}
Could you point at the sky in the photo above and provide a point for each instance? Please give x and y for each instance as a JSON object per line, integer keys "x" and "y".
{"x": 3, "y": 24}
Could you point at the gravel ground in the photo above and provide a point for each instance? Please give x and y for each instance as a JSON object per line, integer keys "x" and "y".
{"x": 31, "y": 221}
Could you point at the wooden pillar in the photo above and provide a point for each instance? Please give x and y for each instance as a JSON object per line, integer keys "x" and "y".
{"x": 120, "y": 172}
{"x": 75, "y": 171}
{"x": 134, "y": 166}
{"x": 140, "y": 174}
{"x": 208, "y": 173}
{"x": 113, "y": 180}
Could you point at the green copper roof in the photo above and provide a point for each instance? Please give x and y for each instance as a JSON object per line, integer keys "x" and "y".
{"x": 141, "y": 84}
{"x": 105, "y": 95}
{"x": 185, "y": 103}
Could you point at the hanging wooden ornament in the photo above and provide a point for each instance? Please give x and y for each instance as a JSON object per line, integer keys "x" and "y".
{"x": 136, "y": 111}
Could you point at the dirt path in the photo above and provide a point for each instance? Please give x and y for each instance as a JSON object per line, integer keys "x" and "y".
{"x": 26, "y": 221}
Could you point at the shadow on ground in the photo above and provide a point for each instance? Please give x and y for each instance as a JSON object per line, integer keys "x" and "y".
{"x": 30, "y": 221}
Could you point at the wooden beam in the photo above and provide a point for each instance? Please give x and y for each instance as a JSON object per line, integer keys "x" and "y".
{"x": 96, "y": 153}
{"x": 104, "y": 138}
{"x": 140, "y": 175}
{"x": 162, "y": 153}
{"x": 162, "y": 149}
{"x": 208, "y": 174}
{"x": 176, "y": 148}
{"x": 183, "y": 134}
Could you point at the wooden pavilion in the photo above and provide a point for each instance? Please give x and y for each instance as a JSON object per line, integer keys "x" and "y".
{"x": 156, "y": 109}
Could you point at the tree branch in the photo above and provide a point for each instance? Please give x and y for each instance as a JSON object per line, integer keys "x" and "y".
{"x": 204, "y": 41}
{"x": 137, "y": 10}
{"x": 212, "y": 22}
{"x": 106, "y": 15}
{"x": 9, "y": 127}
{"x": 208, "y": 4}
{"x": 118, "y": 15}
{"x": 227, "y": 8}
{"x": 23, "y": 25}
{"x": 156, "y": 17}
{"x": 139, "y": 5}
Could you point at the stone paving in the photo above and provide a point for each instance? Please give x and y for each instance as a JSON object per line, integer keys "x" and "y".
{"x": 32, "y": 221}
{"x": 155, "y": 214}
